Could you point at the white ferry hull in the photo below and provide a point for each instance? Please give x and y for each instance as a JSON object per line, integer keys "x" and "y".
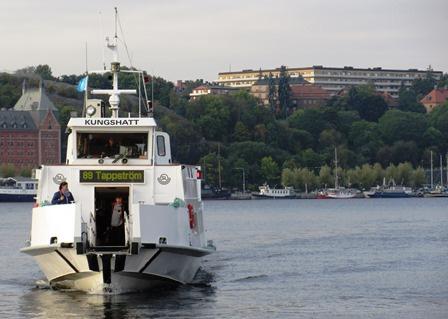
{"x": 149, "y": 269}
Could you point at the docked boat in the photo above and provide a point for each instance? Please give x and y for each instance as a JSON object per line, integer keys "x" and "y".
{"x": 209, "y": 192}
{"x": 124, "y": 160}
{"x": 390, "y": 191}
{"x": 438, "y": 191}
{"x": 337, "y": 192}
{"x": 18, "y": 189}
{"x": 267, "y": 192}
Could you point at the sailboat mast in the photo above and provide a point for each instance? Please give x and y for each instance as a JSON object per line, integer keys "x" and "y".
{"x": 432, "y": 174}
{"x": 336, "y": 167}
{"x": 441, "y": 171}
{"x": 219, "y": 165}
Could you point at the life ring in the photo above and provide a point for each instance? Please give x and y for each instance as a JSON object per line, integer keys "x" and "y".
{"x": 191, "y": 216}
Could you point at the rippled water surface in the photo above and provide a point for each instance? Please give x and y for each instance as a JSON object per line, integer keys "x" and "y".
{"x": 276, "y": 259}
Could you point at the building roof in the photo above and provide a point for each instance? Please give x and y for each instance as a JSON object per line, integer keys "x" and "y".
{"x": 320, "y": 67}
{"x": 16, "y": 120}
{"x": 436, "y": 96}
{"x": 389, "y": 99}
{"x": 309, "y": 92}
{"x": 215, "y": 87}
{"x": 34, "y": 99}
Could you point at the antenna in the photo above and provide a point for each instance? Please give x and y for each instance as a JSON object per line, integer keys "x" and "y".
{"x": 87, "y": 68}
{"x": 102, "y": 37}
{"x": 116, "y": 17}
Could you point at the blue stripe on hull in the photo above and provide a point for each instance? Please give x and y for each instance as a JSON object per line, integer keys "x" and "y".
{"x": 390, "y": 195}
{"x": 16, "y": 198}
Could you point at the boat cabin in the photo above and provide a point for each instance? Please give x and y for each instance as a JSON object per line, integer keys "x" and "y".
{"x": 117, "y": 141}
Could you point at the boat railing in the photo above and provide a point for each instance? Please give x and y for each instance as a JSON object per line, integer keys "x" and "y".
{"x": 127, "y": 228}
{"x": 91, "y": 230}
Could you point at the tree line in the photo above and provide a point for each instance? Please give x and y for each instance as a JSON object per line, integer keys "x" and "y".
{"x": 236, "y": 132}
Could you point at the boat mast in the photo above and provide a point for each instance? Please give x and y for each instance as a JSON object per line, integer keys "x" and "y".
{"x": 336, "y": 168}
{"x": 432, "y": 174}
{"x": 114, "y": 99}
{"x": 219, "y": 166}
{"x": 441, "y": 171}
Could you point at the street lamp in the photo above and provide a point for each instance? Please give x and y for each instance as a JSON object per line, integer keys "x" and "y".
{"x": 244, "y": 179}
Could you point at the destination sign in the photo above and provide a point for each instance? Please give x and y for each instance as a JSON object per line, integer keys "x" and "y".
{"x": 111, "y": 176}
{"x": 119, "y": 122}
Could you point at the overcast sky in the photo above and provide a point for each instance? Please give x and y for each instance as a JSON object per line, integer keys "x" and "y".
{"x": 192, "y": 39}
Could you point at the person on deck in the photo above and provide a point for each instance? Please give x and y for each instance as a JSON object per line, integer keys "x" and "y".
{"x": 63, "y": 196}
{"x": 111, "y": 148}
{"x": 117, "y": 222}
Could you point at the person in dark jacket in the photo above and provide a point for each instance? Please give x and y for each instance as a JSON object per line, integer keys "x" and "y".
{"x": 63, "y": 196}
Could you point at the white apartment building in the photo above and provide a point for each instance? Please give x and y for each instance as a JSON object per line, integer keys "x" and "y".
{"x": 334, "y": 79}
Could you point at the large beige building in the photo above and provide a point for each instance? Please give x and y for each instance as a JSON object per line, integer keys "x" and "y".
{"x": 334, "y": 79}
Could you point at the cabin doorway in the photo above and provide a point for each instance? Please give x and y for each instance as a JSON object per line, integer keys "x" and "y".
{"x": 110, "y": 215}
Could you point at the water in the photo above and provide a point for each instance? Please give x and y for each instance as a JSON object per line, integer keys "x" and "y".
{"x": 276, "y": 259}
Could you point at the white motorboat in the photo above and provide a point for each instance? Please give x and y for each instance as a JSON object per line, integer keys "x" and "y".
{"x": 267, "y": 192}
{"x": 162, "y": 238}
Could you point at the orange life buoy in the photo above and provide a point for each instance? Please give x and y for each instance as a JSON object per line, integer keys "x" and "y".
{"x": 191, "y": 216}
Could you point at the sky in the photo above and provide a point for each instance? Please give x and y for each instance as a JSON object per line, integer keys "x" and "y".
{"x": 197, "y": 39}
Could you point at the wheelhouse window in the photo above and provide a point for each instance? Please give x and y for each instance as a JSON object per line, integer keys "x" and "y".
{"x": 161, "y": 145}
{"x": 112, "y": 145}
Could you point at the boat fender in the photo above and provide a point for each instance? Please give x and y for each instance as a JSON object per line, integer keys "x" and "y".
{"x": 191, "y": 216}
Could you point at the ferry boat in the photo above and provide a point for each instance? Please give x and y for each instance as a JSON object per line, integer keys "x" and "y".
{"x": 18, "y": 189}
{"x": 162, "y": 238}
{"x": 267, "y": 192}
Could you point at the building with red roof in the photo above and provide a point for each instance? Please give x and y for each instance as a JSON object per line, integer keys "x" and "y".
{"x": 434, "y": 98}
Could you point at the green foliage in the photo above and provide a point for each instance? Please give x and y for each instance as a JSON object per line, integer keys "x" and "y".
{"x": 363, "y": 177}
{"x": 325, "y": 176}
{"x": 44, "y": 71}
{"x": 309, "y": 120}
{"x": 8, "y": 170}
{"x": 284, "y": 93}
{"x": 394, "y": 125}
{"x": 408, "y": 101}
{"x": 272, "y": 94}
{"x": 25, "y": 172}
{"x": 10, "y": 90}
{"x": 260, "y": 139}
{"x": 369, "y": 105}
{"x": 269, "y": 169}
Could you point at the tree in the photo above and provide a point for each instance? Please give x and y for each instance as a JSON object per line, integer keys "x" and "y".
{"x": 396, "y": 125}
{"x": 241, "y": 133}
{"x": 44, "y": 71}
{"x": 269, "y": 169}
{"x": 304, "y": 179}
{"x": 418, "y": 177}
{"x": 8, "y": 170}
{"x": 325, "y": 176}
{"x": 369, "y": 105}
{"x": 288, "y": 177}
{"x": 272, "y": 96}
{"x": 284, "y": 92}
{"x": 309, "y": 120}
{"x": 407, "y": 101}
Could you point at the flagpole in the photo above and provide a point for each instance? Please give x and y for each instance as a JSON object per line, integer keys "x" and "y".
{"x": 86, "y": 86}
